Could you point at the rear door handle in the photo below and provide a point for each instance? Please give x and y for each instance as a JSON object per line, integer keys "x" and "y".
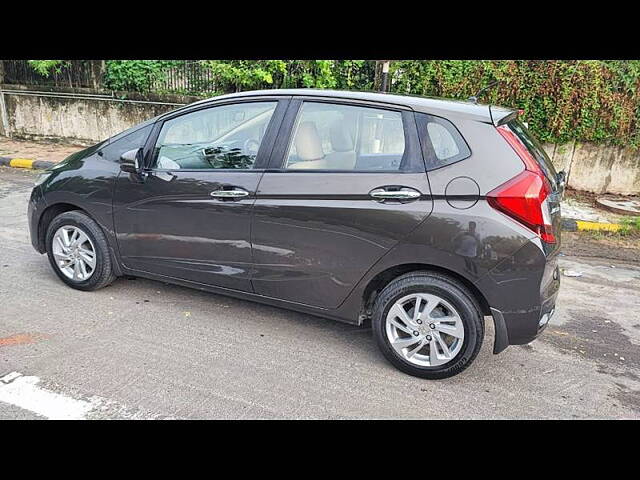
{"x": 234, "y": 193}
{"x": 395, "y": 193}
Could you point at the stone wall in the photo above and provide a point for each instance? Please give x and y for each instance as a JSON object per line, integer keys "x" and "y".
{"x": 598, "y": 168}
{"x": 80, "y": 116}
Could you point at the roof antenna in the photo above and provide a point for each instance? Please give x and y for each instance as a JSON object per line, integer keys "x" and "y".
{"x": 475, "y": 97}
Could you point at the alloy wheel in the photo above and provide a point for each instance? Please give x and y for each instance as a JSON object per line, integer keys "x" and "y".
{"x": 74, "y": 253}
{"x": 424, "y": 329}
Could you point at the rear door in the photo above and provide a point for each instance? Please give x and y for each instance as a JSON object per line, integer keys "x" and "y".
{"x": 189, "y": 215}
{"x": 346, "y": 182}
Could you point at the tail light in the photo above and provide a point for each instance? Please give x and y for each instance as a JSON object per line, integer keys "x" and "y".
{"x": 525, "y": 197}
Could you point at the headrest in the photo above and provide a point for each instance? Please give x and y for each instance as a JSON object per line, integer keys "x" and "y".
{"x": 341, "y": 139}
{"x": 308, "y": 143}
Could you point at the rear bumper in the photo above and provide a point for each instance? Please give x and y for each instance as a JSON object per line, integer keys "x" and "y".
{"x": 522, "y": 327}
{"x": 522, "y": 295}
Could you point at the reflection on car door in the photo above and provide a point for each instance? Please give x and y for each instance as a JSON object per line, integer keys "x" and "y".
{"x": 340, "y": 194}
{"x": 189, "y": 217}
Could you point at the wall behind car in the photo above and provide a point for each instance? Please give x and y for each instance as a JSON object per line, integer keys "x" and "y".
{"x": 86, "y": 116}
{"x": 598, "y": 168}
{"x": 81, "y": 116}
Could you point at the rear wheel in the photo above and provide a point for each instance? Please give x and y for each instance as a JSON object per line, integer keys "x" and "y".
{"x": 78, "y": 252}
{"x": 428, "y": 325}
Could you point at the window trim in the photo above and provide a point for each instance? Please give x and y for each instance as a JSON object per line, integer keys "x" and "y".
{"x": 133, "y": 130}
{"x": 431, "y": 160}
{"x": 266, "y": 146}
{"x": 411, "y": 162}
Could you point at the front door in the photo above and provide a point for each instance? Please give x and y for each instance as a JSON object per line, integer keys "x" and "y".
{"x": 189, "y": 216}
{"x": 348, "y": 186}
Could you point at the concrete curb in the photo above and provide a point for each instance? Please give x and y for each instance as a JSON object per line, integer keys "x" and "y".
{"x": 25, "y": 163}
{"x": 571, "y": 225}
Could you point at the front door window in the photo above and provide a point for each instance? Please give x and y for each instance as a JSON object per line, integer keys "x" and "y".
{"x": 224, "y": 137}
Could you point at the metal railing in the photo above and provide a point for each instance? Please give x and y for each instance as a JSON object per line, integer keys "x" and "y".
{"x": 74, "y": 73}
{"x": 186, "y": 78}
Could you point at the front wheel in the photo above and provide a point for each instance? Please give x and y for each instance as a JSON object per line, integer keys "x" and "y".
{"x": 78, "y": 251}
{"x": 428, "y": 325}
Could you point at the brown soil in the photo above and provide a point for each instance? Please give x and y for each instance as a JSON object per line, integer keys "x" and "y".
{"x": 36, "y": 150}
{"x": 613, "y": 246}
{"x": 588, "y": 198}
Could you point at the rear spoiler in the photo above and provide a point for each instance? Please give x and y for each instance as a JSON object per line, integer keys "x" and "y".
{"x": 500, "y": 115}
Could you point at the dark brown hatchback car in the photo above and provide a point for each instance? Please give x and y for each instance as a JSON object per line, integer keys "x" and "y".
{"x": 420, "y": 215}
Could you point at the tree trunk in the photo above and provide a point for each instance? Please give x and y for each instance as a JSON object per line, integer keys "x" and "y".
{"x": 377, "y": 78}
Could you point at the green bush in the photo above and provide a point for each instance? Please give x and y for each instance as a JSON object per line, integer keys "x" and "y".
{"x": 136, "y": 75}
{"x": 47, "y": 67}
{"x": 596, "y": 101}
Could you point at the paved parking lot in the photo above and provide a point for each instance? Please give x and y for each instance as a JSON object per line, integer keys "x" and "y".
{"x": 143, "y": 349}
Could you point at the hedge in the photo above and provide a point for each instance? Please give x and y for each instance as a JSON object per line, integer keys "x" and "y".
{"x": 595, "y": 101}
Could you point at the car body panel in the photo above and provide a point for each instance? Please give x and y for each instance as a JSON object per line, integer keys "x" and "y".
{"x": 84, "y": 180}
{"x": 316, "y": 233}
{"x": 170, "y": 225}
{"x": 313, "y": 248}
{"x": 315, "y": 243}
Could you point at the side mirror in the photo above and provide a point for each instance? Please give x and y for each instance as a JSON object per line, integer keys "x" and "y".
{"x": 131, "y": 161}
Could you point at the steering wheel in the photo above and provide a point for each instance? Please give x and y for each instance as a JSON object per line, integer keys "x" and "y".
{"x": 251, "y": 147}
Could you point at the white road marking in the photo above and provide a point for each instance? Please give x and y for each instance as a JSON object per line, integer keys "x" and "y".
{"x": 24, "y": 392}
{"x": 8, "y": 378}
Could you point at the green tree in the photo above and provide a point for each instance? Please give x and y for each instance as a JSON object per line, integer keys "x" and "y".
{"x": 47, "y": 67}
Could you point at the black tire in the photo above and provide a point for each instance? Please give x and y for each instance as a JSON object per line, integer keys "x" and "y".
{"x": 450, "y": 290}
{"x": 103, "y": 274}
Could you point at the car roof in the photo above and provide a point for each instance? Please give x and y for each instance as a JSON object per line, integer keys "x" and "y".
{"x": 433, "y": 105}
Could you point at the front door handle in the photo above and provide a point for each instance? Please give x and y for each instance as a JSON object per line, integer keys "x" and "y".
{"x": 396, "y": 193}
{"x": 234, "y": 193}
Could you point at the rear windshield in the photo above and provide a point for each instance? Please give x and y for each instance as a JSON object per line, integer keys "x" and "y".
{"x": 535, "y": 148}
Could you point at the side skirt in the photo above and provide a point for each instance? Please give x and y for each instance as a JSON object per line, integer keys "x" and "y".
{"x": 274, "y": 302}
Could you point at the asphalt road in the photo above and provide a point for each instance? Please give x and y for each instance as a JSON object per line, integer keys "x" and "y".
{"x": 144, "y": 349}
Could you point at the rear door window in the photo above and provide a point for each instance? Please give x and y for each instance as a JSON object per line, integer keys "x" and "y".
{"x": 346, "y": 137}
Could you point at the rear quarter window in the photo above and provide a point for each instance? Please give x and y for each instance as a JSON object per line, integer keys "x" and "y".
{"x": 442, "y": 143}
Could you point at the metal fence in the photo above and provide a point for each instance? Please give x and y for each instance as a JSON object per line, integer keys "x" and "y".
{"x": 184, "y": 77}
{"x": 187, "y": 78}
{"x": 74, "y": 73}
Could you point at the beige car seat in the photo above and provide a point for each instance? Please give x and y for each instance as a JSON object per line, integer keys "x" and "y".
{"x": 344, "y": 155}
{"x": 309, "y": 148}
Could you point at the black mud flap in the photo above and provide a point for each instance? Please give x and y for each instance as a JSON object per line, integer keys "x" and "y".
{"x": 502, "y": 337}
